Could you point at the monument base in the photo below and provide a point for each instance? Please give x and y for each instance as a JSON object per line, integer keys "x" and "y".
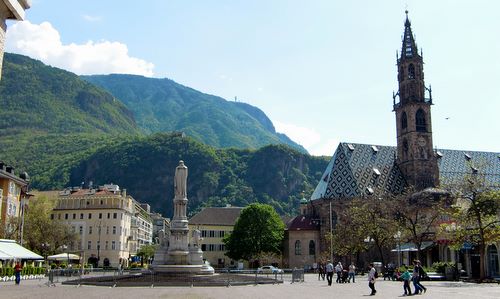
{"x": 203, "y": 269}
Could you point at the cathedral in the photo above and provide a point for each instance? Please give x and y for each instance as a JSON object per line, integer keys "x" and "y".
{"x": 368, "y": 170}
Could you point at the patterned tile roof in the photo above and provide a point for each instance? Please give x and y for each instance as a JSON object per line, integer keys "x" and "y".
{"x": 363, "y": 169}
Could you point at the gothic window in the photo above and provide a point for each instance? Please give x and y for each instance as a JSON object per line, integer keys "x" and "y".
{"x": 312, "y": 248}
{"x": 404, "y": 121}
{"x": 420, "y": 121}
{"x": 411, "y": 72}
{"x": 298, "y": 249}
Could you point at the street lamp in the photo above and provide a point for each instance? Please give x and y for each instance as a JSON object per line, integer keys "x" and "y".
{"x": 397, "y": 236}
{"x": 45, "y": 248}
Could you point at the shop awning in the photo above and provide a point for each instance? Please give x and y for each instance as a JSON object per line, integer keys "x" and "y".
{"x": 63, "y": 257}
{"x": 10, "y": 250}
{"x": 405, "y": 247}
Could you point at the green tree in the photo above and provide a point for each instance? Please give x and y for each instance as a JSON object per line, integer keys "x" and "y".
{"x": 418, "y": 213}
{"x": 475, "y": 217}
{"x": 373, "y": 224}
{"x": 146, "y": 252}
{"x": 42, "y": 234}
{"x": 259, "y": 230}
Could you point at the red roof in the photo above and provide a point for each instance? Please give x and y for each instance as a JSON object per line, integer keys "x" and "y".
{"x": 302, "y": 222}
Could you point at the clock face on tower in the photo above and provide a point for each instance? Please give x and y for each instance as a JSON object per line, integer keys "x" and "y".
{"x": 421, "y": 141}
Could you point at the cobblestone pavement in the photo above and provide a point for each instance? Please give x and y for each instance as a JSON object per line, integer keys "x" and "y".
{"x": 311, "y": 288}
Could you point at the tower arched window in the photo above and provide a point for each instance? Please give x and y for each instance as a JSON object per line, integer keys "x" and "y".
{"x": 298, "y": 249}
{"x": 312, "y": 248}
{"x": 404, "y": 121}
{"x": 420, "y": 121}
{"x": 411, "y": 72}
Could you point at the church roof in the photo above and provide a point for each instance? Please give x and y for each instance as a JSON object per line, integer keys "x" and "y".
{"x": 362, "y": 169}
{"x": 216, "y": 216}
{"x": 302, "y": 222}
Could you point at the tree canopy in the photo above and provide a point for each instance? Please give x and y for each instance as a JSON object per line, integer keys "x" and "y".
{"x": 258, "y": 230}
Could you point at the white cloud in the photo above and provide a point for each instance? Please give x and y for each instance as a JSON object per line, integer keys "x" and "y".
{"x": 43, "y": 42}
{"x": 90, "y": 18}
{"x": 308, "y": 138}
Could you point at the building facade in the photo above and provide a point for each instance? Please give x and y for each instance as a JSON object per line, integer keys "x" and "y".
{"x": 214, "y": 224}
{"x": 13, "y": 192}
{"x": 369, "y": 170}
{"x": 110, "y": 224}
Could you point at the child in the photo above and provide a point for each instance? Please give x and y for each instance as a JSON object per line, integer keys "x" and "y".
{"x": 406, "y": 277}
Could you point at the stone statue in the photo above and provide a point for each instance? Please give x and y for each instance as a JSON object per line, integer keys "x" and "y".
{"x": 181, "y": 173}
{"x": 197, "y": 237}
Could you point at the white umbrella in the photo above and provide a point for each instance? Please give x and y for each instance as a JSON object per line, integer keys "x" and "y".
{"x": 63, "y": 257}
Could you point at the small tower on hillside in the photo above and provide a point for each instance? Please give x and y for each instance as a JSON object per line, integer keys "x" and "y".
{"x": 415, "y": 155}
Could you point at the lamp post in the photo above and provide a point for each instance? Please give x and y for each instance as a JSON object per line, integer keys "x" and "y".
{"x": 331, "y": 233}
{"x": 45, "y": 248}
{"x": 397, "y": 236}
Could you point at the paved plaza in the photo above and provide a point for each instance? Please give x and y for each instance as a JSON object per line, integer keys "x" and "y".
{"x": 311, "y": 288}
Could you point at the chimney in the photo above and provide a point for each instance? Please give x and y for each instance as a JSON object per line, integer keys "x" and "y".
{"x": 10, "y": 169}
{"x": 124, "y": 192}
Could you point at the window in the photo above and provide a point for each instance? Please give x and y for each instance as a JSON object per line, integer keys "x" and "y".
{"x": 298, "y": 249}
{"x": 420, "y": 121}
{"x": 106, "y": 245}
{"x": 211, "y": 234}
{"x": 100, "y": 215}
{"x": 404, "y": 121}
{"x": 114, "y": 230}
{"x": 113, "y": 245}
{"x": 211, "y": 247}
{"x": 81, "y": 230}
{"x": 89, "y": 245}
{"x": 74, "y": 216}
{"x": 221, "y": 234}
{"x": 90, "y": 230}
{"x": 121, "y": 230}
{"x": 203, "y": 233}
{"x": 66, "y": 216}
{"x": 90, "y": 215}
{"x": 107, "y": 230}
{"x": 411, "y": 72}
{"x": 51, "y": 216}
{"x": 81, "y": 216}
{"x": 203, "y": 247}
{"x": 115, "y": 215}
{"x": 109, "y": 215}
{"x": 312, "y": 248}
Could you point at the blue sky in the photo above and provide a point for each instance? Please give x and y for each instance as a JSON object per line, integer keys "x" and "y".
{"x": 323, "y": 71}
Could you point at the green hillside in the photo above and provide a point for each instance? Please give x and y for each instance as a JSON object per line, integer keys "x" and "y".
{"x": 161, "y": 105}
{"x": 37, "y": 97}
{"x": 275, "y": 174}
{"x": 50, "y": 119}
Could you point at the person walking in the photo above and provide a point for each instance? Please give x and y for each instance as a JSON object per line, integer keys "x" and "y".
{"x": 352, "y": 273}
{"x": 338, "y": 270}
{"x": 406, "y": 277}
{"x": 17, "y": 271}
{"x": 329, "y": 272}
{"x": 321, "y": 271}
{"x": 418, "y": 274}
{"x": 372, "y": 277}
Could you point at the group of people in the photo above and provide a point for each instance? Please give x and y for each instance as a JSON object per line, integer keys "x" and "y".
{"x": 345, "y": 274}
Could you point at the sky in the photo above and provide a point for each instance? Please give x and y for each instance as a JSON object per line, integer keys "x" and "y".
{"x": 323, "y": 71}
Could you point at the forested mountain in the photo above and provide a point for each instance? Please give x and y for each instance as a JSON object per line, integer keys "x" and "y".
{"x": 275, "y": 174}
{"x": 37, "y": 97}
{"x": 161, "y": 105}
{"x": 64, "y": 131}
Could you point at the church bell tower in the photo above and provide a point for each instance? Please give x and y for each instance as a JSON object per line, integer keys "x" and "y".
{"x": 415, "y": 155}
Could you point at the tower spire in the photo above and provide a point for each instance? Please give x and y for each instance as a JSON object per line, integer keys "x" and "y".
{"x": 409, "y": 48}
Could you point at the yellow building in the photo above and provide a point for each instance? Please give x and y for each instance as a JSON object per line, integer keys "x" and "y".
{"x": 110, "y": 224}
{"x": 214, "y": 224}
{"x": 12, "y": 192}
